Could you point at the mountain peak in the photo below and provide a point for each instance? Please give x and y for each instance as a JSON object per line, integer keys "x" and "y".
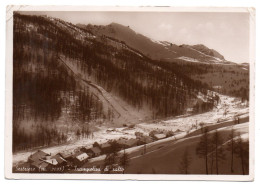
{"x": 205, "y": 50}
{"x": 118, "y": 25}
{"x": 117, "y": 28}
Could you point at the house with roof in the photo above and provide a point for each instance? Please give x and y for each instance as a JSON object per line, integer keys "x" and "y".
{"x": 96, "y": 151}
{"x": 122, "y": 142}
{"x": 189, "y": 110}
{"x": 159, "y": 136}
{"x": 36, "y": 161}
{"x": 80, "y": 158}
{"x": 131, "y": 143}
{"x": 93, "y": 152}
{"x": 56, "y": 160}
{"x": 144, "y": 140}
{"x": 84, "y": 149}
{"x": 39, "y": 155}
{"x": 127, "y": 143}
{"x": 67, "y": 154}
{"x": 40, "y": 166}
{"x": 138, "y": 134}
{"x": 105, "y": 147}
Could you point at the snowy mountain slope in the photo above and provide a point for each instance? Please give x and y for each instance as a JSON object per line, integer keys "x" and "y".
{"x": 122, "y": 114}
{"x": 196, "y": 61}
{"x": 159, "y": 50}
{"x": 77, "y": 80}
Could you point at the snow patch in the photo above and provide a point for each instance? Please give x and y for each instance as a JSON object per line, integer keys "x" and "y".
{"x": 214, "y": 58}
{"x": 188, "y": 59}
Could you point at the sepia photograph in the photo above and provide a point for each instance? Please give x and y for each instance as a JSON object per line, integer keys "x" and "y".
{"x": 112, "y": 92}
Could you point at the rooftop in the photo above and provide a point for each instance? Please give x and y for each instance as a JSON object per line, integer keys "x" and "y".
{"x": 105, "y": 145}
{"x": 38, "y": 155}
{"x": 82, "y": 156}
{"x": 96, "y": 150}
{"x": 160, "y": 136}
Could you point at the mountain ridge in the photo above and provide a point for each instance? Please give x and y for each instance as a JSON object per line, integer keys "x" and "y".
{"x": 158, "y": 50}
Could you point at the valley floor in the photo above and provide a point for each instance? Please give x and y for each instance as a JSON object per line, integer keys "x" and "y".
{"x": 165, "y": 156}
{"x": 186, "y": 125}
{"x": 167, "y": 159}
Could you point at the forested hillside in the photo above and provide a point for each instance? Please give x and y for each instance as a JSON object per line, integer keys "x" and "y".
{"x": 53, "y": 103}
{"x": 198, "y": 62}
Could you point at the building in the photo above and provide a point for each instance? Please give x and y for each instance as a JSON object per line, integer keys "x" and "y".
{"x": 67, "y": 155}
{"x": 122, "y": 142}
{"x": 85, "y": 149}
{"x": 189, "y": 110}
{"x": 144, "y": 140}
{"x": 139, "y": 134}
{"x": 37, "y": 161}
{"x": 159, "y": 136}
{"x": 39, "y": 155}
{"x": 93, "y": 152}
{"x": 105, "y": 147}
{"x": 96, "y": 151}
{"x": 40, "y": 166}
{"x": 131, "y": 143}
{"x": 56, "y": 160}
{"x": 127, "y": 143}
{"x": 80, "y": 158}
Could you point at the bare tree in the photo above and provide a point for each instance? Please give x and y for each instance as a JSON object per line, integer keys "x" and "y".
{"x": 144, "y": 152}
{"x": 185, "y": 162}
{"x": 212, "y": 156}
{"x": 112, "y": 157}
{"x": 217, "y": 149}
{"x": 110, "y": 160}
{"x": 115, "y": 147}
{"x": 231, "y": 148}
{"x": 242, "y": 151}
{"x": 203, "y": 148}
{"x": 124, "y": 160}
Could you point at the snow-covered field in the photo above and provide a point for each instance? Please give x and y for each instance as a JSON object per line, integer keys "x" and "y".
{"x": 226, "y": 110}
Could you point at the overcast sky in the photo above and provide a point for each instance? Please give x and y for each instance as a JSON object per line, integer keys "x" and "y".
{"x": 228, "y": 33}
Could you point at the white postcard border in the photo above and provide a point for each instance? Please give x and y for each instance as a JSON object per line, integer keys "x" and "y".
{"x": 8, "y": 92}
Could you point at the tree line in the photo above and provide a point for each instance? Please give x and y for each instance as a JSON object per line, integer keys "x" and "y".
{"x": 39, "y": 77}
{"x": 138, "y": 80}
{"x": 215, "y": 152}
{"x": 42, "y": 91}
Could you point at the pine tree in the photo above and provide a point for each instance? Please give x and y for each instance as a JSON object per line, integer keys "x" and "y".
{"x": 242, "y": 151}
{"x": 78, "y": 134}
{"x": 124, "y": 161}
{"x": 185, "y": 162}
{"x": 231, "y": 148}
{"x": 217, "y": 149}
{"x": 202, "y": 149}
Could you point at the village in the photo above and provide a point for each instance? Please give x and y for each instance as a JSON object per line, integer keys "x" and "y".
{"x": 67, "y": 160}
{"x": 134, "y": 139}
